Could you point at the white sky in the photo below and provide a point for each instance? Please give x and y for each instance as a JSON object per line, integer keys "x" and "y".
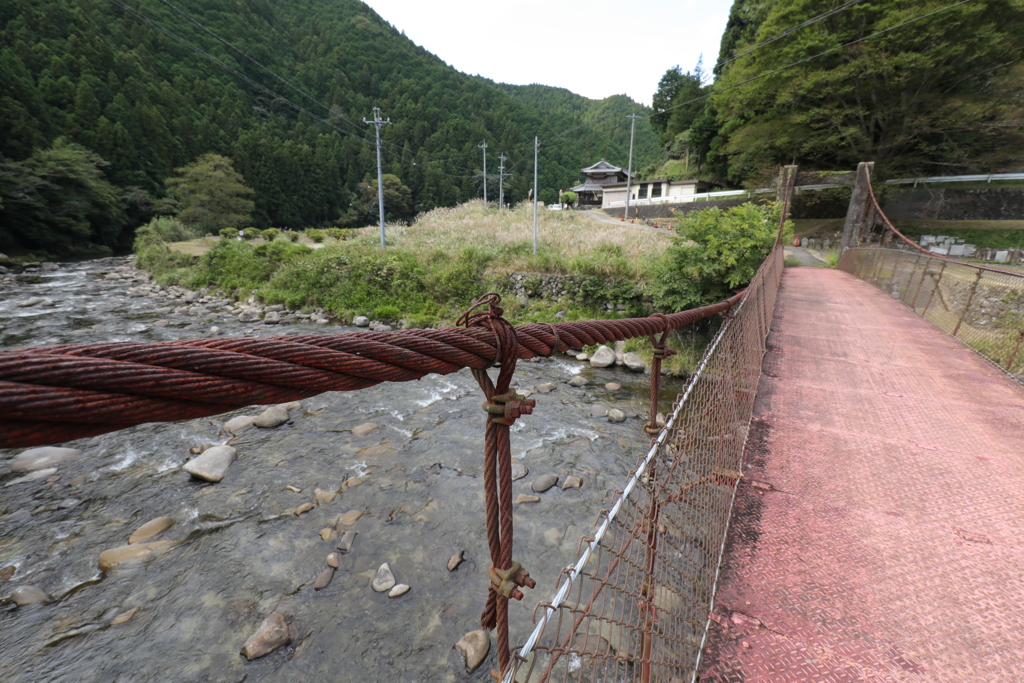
{"x": 595, "y": 48}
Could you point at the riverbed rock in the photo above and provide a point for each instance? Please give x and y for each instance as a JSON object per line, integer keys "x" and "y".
{"x": 399, "y": 589}
{"x": 116, "y": 556}
{"x": 333, "y": 560}
{"x": 33, "y": 476}
{"x": 634, "y": 362}
{"x": 578, "y": 381}
{"x": 78, "y": 481}
{"x": 38, "y": 458}
{"x": 248, "y": 316}
{"x": 361, "y": 321}
{"x": 616, "y": 415}
{"x": 123, "y": 617}
{"x": 215, "y": 330}
{"x": 384, "y": 579}
{"x": 474, "y": 647}
{"x": 455, "y": 560}
{"x": 237, "y": 424}
{"x": 150, "y": 529}
{"x": 364, "y": 429}
{"x": 211, "y": 465}
{"x": 324, "y": 579}
{"x": 544, "y": 482}
{"x": 383, "y": 328}
{"x": 527, "y": 498}
{"x": 545, "y": 388}
{"x": 324, "y": 497}
{"x": 346, "y": 520}
{"x": 29, "y": 595}
{"x": 271, "y": 417}
{"x": 598, "y": 411}
{"x": 602, "y": 358}
{"x": 35, "y": 301}
{"x": 347, "y": 539}
{"x": 272, "y": 634}
{"x": 519, "y": 470}
{"x": 305, "y": 507}
{"x": 582, "y": 356}
{"x": 326, "y": 534}
{"x": 572, "y": 483}
{"x": 7, "y": 573}
{"x": 272, "y": 318}
{"x": 613, "y": 386}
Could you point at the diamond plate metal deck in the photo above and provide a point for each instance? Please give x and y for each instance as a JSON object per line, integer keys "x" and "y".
{"x": 878, "y": 533}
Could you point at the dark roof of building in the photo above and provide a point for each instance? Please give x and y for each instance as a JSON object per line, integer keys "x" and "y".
{"x": 603, "y": 166}
{"x": 588, "y": 187}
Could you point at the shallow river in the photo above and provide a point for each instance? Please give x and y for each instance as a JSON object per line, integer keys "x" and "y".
{"x": 243, "y": 553}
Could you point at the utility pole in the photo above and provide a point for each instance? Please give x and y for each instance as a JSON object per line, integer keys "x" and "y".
{"x": 501, "y": 180}
{"x": 629, "y": 170}
{"x": 536, "y": 146}
{"x": 484, "y": 148}
{"x": 377, "y": 123}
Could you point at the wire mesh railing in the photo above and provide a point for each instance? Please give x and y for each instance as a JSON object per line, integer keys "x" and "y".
{"x": 635, "y": 606}
{"x": 982, "y": 307}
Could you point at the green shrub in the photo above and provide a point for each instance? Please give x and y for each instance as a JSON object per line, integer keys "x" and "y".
{"x": 387, "y": 313}
{"x": 716, "y": 252}
{"x": 250, "y": 233}
{"x": 316, "y": 235}
{"x": 293, "y": 236}
{"x": 229, "y": 233}
{"x": 336, "y": 233}
{"x": 270, "y": 234}
{"x": 162, "y": 229}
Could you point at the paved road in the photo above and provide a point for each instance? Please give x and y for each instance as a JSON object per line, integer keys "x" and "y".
{"x": 803, "y": 255}
{"x": 878, "y": 528}
{"x": 605, "y": 218}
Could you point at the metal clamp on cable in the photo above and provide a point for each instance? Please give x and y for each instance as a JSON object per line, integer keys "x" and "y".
{"x": 505, "y": 409}
{"x": 506, "y": 582}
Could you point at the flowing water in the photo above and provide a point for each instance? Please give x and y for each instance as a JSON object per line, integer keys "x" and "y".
{"x": 243, "y": 554}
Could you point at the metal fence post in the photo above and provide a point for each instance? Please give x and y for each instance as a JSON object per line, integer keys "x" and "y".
{"x": 970, "y": 297}
{"x": 920, "y": 283}
{"x": 935, "y": 288}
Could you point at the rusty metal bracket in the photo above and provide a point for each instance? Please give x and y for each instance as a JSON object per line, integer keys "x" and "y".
{"x": 505, "y": 409}
{"x": 506, "y": 582}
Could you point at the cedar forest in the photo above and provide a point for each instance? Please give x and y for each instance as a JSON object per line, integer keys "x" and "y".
{"x": 99, "y": 107}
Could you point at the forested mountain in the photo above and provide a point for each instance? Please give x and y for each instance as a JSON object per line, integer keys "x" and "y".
{"x": 919, "y": 87}
{"x": 592, "y": 128}
{"x": 99, "y": 77}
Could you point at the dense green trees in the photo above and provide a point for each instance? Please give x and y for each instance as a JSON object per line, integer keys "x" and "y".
{"x": 211, "y": 195}
{"x": 941, "y": 94}
{"x": 58, "y": 201}
{"x": 105, "y": 79}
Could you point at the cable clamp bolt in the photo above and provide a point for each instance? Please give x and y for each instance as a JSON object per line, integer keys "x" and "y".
{"x": 506, "y": 582}
{"x": 506, "y": 408}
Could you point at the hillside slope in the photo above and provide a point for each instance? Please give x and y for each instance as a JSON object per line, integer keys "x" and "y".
{"x": 106, "y": 77}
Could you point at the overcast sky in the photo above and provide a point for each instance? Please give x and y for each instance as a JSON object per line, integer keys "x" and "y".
{"x": 595, "y": 48}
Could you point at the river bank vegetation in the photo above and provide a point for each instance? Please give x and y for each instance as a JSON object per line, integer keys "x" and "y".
{"x": 433, "y": 269}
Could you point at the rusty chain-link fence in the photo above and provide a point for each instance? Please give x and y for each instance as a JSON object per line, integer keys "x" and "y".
{"x": 982, "y": 307}
{"x": 635, "y": 605}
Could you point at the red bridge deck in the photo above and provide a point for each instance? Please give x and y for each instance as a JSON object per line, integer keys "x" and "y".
{"x": 891, "y": 544}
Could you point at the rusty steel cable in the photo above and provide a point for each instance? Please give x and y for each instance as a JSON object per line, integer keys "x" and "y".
{"x": 50, "y": 394}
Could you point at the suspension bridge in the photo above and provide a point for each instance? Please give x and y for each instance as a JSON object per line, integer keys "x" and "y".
{"x": 834, "y": 497}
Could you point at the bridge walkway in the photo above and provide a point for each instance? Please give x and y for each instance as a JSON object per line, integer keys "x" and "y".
{"x": 878, "y": 533}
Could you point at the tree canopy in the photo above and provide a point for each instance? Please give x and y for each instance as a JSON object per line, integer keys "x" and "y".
{"x": 940, "y": 94}
{"x": 211, "y": 195}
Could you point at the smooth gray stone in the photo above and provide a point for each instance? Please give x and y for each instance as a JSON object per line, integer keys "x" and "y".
{"x": 212, "y": 465}
{"x": 544, "y": 482}
{"x": 38, "y": 458}
{"x": 602, "y": 358}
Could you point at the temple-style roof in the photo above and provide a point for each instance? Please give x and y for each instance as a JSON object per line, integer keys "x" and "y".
{"x": 602, "y": 167}
{"x": 587, "y": 187}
